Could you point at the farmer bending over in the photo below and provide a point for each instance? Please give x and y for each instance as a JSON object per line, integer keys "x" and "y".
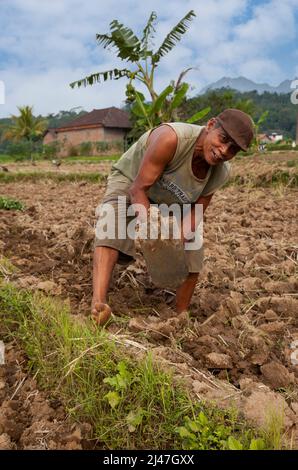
{"x": 172, "y": 163}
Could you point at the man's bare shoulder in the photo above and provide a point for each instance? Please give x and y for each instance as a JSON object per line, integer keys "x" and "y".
{"x": 165, "y": 135}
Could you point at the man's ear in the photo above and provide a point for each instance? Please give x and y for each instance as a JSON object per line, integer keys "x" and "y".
{"x": 210, "y": 123}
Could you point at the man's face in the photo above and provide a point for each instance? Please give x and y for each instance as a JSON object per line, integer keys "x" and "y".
{"x": 218, "y": 145}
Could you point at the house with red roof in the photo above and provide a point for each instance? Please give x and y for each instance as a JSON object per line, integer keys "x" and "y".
{"x": 108, "y": 125}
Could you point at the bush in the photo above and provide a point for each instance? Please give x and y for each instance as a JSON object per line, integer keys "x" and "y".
{"x": 72, "y": 151}
{"x": 118, "y": 145}
{"x": 102, "y": 146}
{"x": 24, "y": 150}
{"x": 85, "y": 148}
{"x": 20, "y": 150}
{"x": 50, "y": 151}
{"x": 281, "y": 147}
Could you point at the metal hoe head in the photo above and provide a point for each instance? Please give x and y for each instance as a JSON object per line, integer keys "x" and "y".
{"x": 165, "y": 257}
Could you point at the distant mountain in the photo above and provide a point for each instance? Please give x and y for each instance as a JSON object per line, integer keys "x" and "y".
{"x": 243, "y": 84}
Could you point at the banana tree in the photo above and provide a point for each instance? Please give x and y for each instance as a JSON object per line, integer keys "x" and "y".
{"x": 143, "y": 61}
{"x": 163, "y": 109}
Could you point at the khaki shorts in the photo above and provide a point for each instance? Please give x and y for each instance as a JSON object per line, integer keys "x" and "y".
{"x": 118, "y": 185}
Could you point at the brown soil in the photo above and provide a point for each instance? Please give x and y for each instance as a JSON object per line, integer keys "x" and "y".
{"x": 27, "y": 167}
{"x": 28, "y": 420}
{"x": 244, "y": 312}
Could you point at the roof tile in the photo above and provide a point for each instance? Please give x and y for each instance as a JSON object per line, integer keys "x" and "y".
{"x": 107, "y": 117}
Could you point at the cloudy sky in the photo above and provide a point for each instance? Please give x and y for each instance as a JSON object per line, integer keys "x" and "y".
{"x": 46, "y": 44}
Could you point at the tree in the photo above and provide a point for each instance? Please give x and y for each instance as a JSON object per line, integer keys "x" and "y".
{"x": 257, "y": 125}
{"x": 218, "y": 100}
{"x": 26, "y": 128}
{"x": 143, "y": 62}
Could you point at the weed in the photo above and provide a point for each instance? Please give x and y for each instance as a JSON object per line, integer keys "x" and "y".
{"x": 11, "y": 204}
{"x": 273, "y": 429}
{"x": 200, "y": 433}
{"x": 6, "y": 268}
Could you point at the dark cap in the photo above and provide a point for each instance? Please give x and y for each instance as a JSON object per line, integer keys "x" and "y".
{"x": 238, "y": 125}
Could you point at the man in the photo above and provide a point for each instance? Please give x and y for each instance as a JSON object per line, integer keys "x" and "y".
{"x": 173, "y": 163}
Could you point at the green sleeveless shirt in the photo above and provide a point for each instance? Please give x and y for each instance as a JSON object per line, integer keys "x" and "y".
{"x": 177, "y": 184}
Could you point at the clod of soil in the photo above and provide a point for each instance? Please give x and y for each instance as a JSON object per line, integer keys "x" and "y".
{"x": 277, "y": 375}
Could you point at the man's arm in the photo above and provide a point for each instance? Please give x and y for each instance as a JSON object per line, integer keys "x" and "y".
{"x": 189, "y": 224}
{"x": 161, "y": 148}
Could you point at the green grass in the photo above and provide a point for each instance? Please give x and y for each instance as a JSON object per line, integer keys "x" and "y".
{"x": 36, "y": 176}
{"x": 6, "y": 268}
{"x": 19, "y": 158}
{"x": 275, "y": 178}
{"x": 10, "y": 204}
{"x": 292, "y": 163}
{"x": 67, "y": 160}
{"x": 6, "y": 159}
{"x": 95, "y": 159}
{"x": 280, "y": 147}
{"x": 131, "y": 402}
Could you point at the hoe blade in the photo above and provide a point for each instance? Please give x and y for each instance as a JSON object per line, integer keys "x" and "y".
{"x": 166, "y": 262}
{"x": 163, "y": 252}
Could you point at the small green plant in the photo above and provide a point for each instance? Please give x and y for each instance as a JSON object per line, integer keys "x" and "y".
{"x": 119, "y": 383}
{"x": 10, "y": 204}
{"x": 202, "y": 434}
{"x": 199, "y": 433}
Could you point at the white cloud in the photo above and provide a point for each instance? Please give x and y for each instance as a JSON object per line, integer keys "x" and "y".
{"x": 50, "y": 92}
{"x": 257, "y": 69}
{"x": 46, "y": 45}
{"x": 272, "y": 22}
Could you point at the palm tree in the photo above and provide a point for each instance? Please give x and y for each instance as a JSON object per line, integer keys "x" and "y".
{"x": 143, "y": 62}
{"x": 25, "y": 127}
